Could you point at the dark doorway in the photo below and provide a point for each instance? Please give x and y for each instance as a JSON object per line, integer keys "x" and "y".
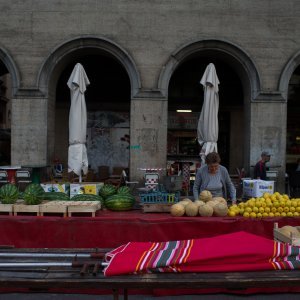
{"x": 293, "y": 124}
{"x": 186, "y": 92}
{"x": 5, "y": 115}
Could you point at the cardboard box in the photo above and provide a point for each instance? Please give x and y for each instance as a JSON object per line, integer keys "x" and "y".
{"x": 56, "y": 187}
{"x": 256, "y": 188}
{"x": 85, "y": 188}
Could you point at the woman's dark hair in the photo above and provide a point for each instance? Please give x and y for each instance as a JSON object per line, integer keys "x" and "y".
{"x": 212, "y": 158}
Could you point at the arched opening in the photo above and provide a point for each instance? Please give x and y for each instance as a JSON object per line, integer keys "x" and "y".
{"x": 108, "y": 110}
{"x": 239, "y": 84}
{"x": 113, "y": 80}
{"x": 5, "y": 115}
{"x": 186, "y": 93}
{"x": 293, "y": 125}
{"x": 9, "y": 81}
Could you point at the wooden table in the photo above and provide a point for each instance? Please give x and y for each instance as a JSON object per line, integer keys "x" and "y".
{"x": 11, "y": 172}
{"x": 88, "y": 277}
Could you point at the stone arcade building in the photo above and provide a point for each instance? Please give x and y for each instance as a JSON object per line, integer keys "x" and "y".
{"x": 144, "y": 60}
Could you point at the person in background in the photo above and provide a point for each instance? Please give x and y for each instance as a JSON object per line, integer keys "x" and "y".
{"x": 260, "y": 169}
{"x": 214, "y": 178}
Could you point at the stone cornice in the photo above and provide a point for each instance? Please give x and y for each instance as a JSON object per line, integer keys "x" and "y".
{"x": 150, "y": 95}
{"x": 28, "y": 93}
{"x": 269, "y": 97}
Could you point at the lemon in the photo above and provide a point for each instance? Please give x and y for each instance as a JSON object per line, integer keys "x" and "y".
{"x": 231, "y": 213}
{"x": 273, "y": 209}
{"x": 280, "y": 209}
{"x": 252, "y": 215}
{"x": 249, "y": 209}
{"x": 289, "y": 214}
{"x": 283, "y": 214}
{"x": 246, "y": 214}
{"x": 271, "y": 215}
{"x": 258, "y": 215}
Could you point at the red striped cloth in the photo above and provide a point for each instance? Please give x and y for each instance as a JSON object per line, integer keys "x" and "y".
{"x": 239, "y": 251}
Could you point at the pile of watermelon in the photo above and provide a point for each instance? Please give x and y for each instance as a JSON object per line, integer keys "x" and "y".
{"x": 33, "y": 194}
{"x": 117, "y": 199}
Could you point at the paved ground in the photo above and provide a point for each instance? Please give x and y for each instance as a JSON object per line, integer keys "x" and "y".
{"x": 39, "y": 296}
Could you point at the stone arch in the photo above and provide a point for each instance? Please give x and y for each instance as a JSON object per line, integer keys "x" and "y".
{"x": 67, "y": 52}
{"x": 240, "y": 62}
{"x": 12, "y": 69}
{"x": 234, "y": 55}
{"x": 287, "y": 73}
{"x": 61, "y": 55}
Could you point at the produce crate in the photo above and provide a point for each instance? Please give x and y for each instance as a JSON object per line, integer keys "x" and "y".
{"x": 160, "y": 197}
{"x": 283, "y": 238}
{"x": 54, "y": 207}
{"x": 6, "y": 208}
{"x": 83, "y": 207}
{"x": 23, "y": 208}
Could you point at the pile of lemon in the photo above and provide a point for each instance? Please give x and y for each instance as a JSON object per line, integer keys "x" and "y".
{"x": 269, "y": 205}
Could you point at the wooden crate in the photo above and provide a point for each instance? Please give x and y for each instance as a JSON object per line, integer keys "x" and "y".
{"x": 83, "y": 207}
{"x": 281, "y": 237}
{"x": 23, "y": 208}
{"x": 158, "y": 207}
{"x": 7, "y": 208}
{"x": 54, "y": 207}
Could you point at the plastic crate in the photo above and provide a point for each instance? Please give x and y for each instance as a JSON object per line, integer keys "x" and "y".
{"x": 160, "y": 197}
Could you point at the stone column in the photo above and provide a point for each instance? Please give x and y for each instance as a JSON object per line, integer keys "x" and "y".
{"x": 148, "y": 133}
{"x": 29, "y": 128}
{"x": 268, "y": 132}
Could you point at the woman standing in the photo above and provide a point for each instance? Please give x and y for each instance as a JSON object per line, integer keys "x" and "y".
{"x": 214, "y": 177}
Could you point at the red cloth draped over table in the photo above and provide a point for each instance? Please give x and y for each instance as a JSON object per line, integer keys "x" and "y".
{"x": 239, "y": 251}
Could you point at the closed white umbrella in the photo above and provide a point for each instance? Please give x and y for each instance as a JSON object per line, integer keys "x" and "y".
{"x": 77, "y": 157}
{"x": 208, "y": 126}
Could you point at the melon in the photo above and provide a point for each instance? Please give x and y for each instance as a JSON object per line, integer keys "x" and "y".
{"x": 184, "y": 202}
{"x": 288, "y": 230}
{"x": 187, "y": 199}
{"x": 177, "y": 210}
{"x": 220, "y": 210}
{"x": 212, "y": 203}
{"x": 206, "y": 210}
{"x": 199, "y": 202}
{"x": 9, "y": 193}
{"x": 191, "y": 209}
{"x": 220, "y": 200}
{"x": 205, "y": 196}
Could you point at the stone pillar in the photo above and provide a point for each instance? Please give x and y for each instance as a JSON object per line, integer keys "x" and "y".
{"x": 268, "y": 132}
{"x": 148, "y": 133}
{"x": 29, "y": 128}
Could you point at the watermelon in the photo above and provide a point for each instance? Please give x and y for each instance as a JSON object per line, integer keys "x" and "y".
{"x": 9, "y": 193}
{"x": 119, "y": 202}
{"x": 87, "y": 197}
{"x": 56, "y": 196}
{"x": 124, "y": 190}
{"x": 33, "y": 194}
{"x": 107, "y": 190}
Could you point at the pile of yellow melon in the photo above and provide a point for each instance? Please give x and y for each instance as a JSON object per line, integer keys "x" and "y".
{"x": 205, "y": 206}
{"x": 269, "y": 205}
